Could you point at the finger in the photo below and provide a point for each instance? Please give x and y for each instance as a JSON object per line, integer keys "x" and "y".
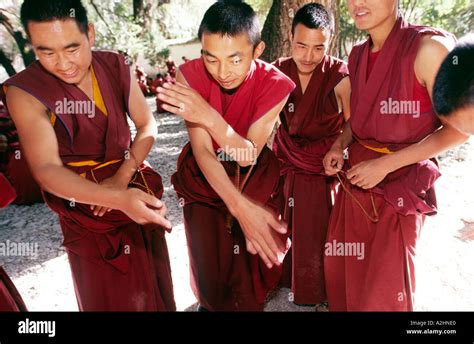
{"x": 151, "y": 200}
{"x": 330, "y": 170}
{"x": 98, "y": 210}
{"x": 171, "y": 100}
{"x": 367, "y": 186}
{"x": 103, "y": 210}
{"x": 269, "y": 246}
{"x": 155, "y": 217}
{"x": 356, "y": 180}
{"x": 352, "y": 172}
{"x": 163, "y": 210}
{"x": 262, "y": 254}
{"x": 173, "y": 109}
{"x": 95, "y": 210}
{"x": 178, "y": 87}
{"x": 171, "y": 93}
{"x": 281, "y": 243}
{"x": 276, "y": 225}
{"x": 250, "y": 247}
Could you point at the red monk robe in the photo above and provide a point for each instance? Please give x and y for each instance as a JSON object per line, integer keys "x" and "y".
{"x": 10, "y": 299}
{"x": 222, "y": 278}
{"x": 117, "y": 264}
{"x": 377, "y": 274}
{"x": 310, "y": 124}
{"x": 13, "y": 165}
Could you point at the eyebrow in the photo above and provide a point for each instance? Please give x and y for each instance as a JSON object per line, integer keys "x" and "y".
{"x": 301, "y": 43}
{"x": 207, "y": 53}
{"x": 69, "y": 46}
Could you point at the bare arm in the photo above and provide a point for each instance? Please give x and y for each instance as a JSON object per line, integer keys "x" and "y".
{"x": 147, "y": 131}
{"x": 187, "y": 103}
{"x": 257, "y": 223}
{"x": 367, "y": 174}
{"x": 343, "y": 96}
{"x": 433, "y": 51}
{"x": 41, "y": 149}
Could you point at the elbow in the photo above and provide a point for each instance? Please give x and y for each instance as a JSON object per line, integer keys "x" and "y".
{"x": 150, "y": 130}
{"x": 44, "y": 176}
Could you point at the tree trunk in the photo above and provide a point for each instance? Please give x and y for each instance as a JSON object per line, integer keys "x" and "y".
{"x": 277, "y": 28}
{"x": 26, "y": 53}
{"x": 144, "y": 12}
{"x": 6, "y": 63}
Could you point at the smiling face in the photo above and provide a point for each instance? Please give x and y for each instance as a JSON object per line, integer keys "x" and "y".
{"x": 308, "y": 47}
{"x": 62, "y": 49}
{"x": 369, "y": 14}
{"x": 228, "y": 59}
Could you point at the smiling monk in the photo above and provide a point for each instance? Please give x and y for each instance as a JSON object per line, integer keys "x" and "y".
{"x": 388, "y": 186}
{"x": 90, "y": 171}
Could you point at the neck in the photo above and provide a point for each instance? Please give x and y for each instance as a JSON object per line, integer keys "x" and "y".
{"x": 84, "y": 81}
{"x": 380, "y": 33}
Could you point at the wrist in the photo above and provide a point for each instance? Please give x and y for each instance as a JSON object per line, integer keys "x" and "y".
{"x": 238, "y": 206}
{"x": 337, "y": 145}
{"x": 117, "y": 198}
{"x": 210, "y": 120}
{"x": 390, "y": 163}
{"x": 124, "y": 175}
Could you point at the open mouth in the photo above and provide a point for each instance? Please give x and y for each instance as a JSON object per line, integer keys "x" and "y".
{"x": 361, "y": 14}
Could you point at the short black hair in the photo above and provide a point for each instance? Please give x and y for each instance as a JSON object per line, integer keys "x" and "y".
{"x": 231, "y": 18}
{"x": 454, "y": 84}
{"x": 49, "y": 10}
{"x": 313, "y": 16}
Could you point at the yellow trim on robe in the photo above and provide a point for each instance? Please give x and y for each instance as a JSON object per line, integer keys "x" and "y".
{"x": 92, "y": 163}
{"x": 52, "y": 118}
{"x": 98, "y": 99}
{"x": 383, "y": 150}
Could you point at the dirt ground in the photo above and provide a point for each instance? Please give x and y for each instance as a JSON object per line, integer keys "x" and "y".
{"x": 445, "y": 273}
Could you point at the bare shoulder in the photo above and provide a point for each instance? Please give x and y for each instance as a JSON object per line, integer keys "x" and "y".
{"x": 432, "y": 51}
{"x": 433, "y": 44}
{"x": 18, "y": 99}
{"x": 344, "y": 86}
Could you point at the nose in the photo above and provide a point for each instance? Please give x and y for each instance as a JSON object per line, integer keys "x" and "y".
{"x": 63, "y": 63}
{"x": 223, "y": 71}
{"x": 308, "y": 57}
{"x": 357, "y": 3}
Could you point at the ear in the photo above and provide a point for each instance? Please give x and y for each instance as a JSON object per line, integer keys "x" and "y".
{"x": 259, "y": 49}
{"x": 91, "y": 34}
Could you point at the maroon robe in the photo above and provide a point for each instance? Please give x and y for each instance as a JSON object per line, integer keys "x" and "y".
{"x": 10, "y": 299}
{"x": 13, "y": 164}
{"x": 310, "y": 124}
{"x": 117, "y": 264}
{"x": 382, "y": 278}
{"x": 224, "y": 276}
